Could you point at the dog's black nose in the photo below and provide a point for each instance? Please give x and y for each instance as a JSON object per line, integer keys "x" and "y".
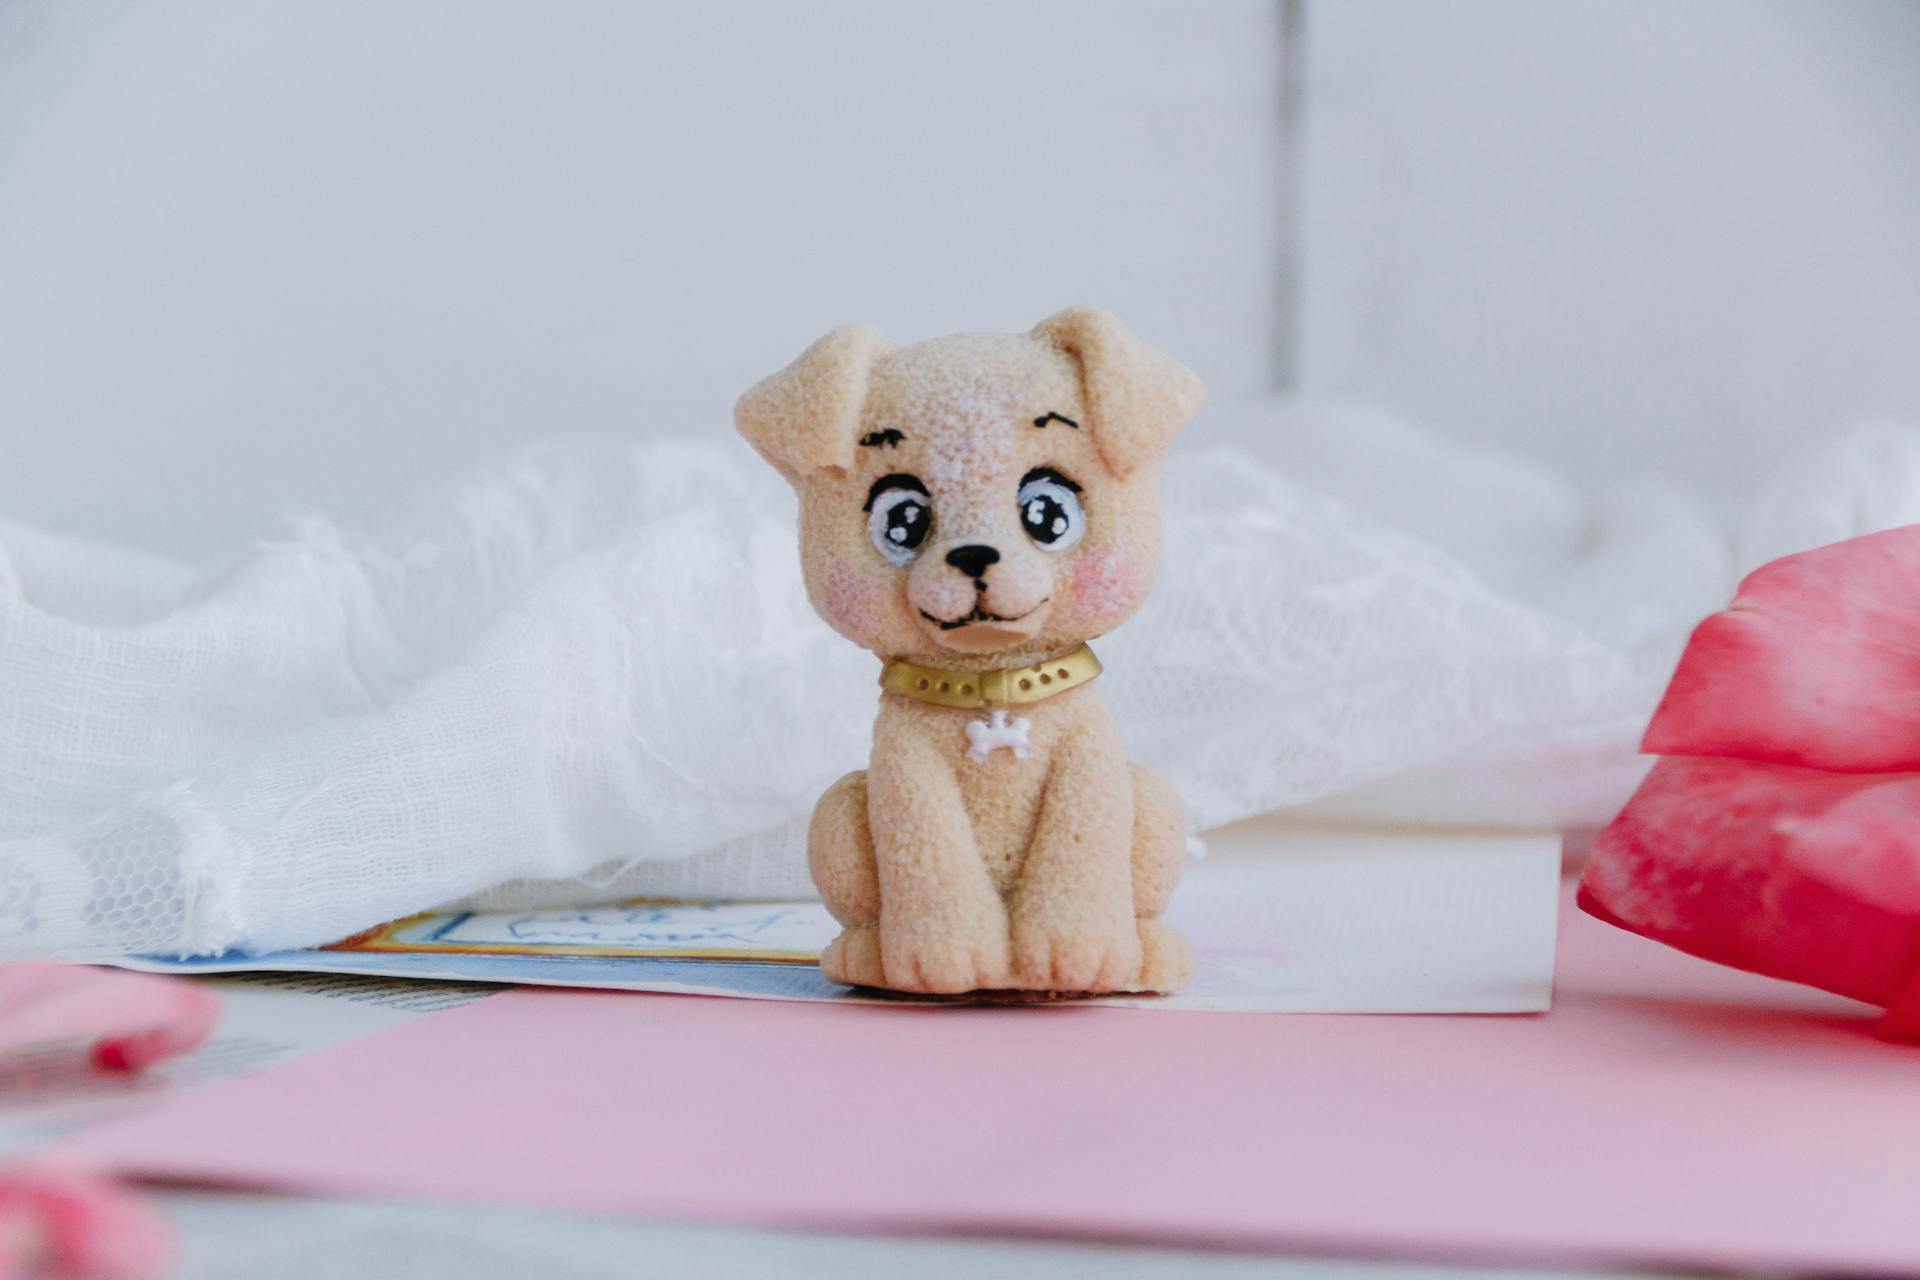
{"x": 973, "y": 560}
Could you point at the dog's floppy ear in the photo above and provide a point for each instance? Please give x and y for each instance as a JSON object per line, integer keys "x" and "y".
{"x": 805, "y": 417}
{"x": 1137, "y": 397}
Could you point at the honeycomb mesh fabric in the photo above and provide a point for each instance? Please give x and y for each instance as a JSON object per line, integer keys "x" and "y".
{"x": 590, "y": 671}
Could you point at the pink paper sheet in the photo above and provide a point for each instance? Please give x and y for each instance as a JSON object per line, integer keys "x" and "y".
{"x": 1665, "y": 1112}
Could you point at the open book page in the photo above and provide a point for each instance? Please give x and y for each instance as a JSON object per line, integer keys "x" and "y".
{"x": 1282, "y": 918}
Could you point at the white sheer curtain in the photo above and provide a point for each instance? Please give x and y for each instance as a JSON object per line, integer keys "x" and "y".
{"x": 589, "y": 671}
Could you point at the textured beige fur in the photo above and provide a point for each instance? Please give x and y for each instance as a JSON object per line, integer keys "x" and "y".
{"x": 1047, "y": 873}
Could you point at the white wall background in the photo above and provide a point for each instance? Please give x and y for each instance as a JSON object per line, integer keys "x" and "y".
{"x": 1625, "y": 235}
{"x": 255, "y": 257}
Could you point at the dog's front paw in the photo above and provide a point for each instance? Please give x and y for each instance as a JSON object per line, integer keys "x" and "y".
{"x": 853, "y": 958}
{"x": 1166, "y": 962}
{"x": 943, "y": 961}
{"x": 1075, "y": 954}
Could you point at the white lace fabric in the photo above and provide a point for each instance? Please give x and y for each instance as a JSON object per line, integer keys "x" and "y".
{"x": 590, "y": 672}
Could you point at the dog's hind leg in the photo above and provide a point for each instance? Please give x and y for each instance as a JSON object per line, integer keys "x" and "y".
{"x": 1159, "y": 847}
{"x": 840, "y": 856}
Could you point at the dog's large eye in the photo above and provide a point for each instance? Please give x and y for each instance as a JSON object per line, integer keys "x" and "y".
{"x": 1050, "y": 510}
{"x": 898, "y": 521}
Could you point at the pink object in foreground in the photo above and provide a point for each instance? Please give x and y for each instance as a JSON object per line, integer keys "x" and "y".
{"x": 1666, "y": 1113}
{"x": 1780, "y": 832}
{"x": 63, "y": 1222}
{"x": 69, "y": 1225}
{"x": 132, "y": 1019}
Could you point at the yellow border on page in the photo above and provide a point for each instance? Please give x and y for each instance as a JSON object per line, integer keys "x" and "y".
{"x": 383, "y": 938}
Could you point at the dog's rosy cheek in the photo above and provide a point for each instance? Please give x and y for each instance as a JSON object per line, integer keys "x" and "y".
{"x": 1106, "y": 589}
{"x": 855, "y": 603}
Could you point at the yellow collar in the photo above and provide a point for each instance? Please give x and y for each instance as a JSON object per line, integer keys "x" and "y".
{"x": 1004, "y": 688}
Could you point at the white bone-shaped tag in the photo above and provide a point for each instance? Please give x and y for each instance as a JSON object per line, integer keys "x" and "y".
{"x": 988, "y": 736}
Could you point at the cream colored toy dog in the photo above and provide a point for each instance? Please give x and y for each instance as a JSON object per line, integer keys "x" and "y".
{"x": 973, "y": 509}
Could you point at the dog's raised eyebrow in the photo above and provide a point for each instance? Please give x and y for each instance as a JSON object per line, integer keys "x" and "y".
{"x": 1045, "y": 418}
{"x": 890, "y": 436}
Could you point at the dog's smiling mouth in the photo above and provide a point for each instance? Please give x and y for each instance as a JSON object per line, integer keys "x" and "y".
{"x": 979, "y": 616}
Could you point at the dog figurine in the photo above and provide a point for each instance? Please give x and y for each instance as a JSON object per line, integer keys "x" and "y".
{"x": 974, "y": 509}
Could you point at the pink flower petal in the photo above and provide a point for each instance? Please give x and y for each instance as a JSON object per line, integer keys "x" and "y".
{"x": 133, "y": 1019}
{"x": 62, "y": 1222}
{"x": 1867, "y": 846}
{"x": 1816, "y": 663}
{"x": 1790, "y": 872}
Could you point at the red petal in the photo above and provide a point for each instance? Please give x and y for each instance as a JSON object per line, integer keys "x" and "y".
{"x": 133, "y": 1019}
{"x": 1867, "y": 846}
{"x": 1816, "y": 663}
{"x": 1790, "y": 872}
{"x": 75, "y": 1224}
